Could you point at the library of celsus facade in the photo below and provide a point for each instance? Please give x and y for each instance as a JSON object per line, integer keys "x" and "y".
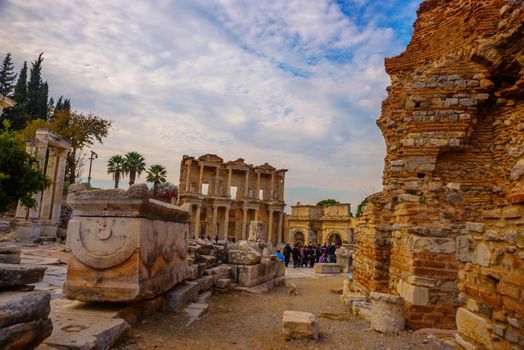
{"x": 226, "y": 199}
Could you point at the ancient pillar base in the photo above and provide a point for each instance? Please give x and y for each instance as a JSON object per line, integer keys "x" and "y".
{"x": 48, "y": 230}
{"x": 27, "y": 230}
{"x": 387, "y": 313}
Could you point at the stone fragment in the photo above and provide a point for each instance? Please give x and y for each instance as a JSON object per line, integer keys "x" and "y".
{"x": 181, "y": 295}
{"x": 475, "y": 227}
{"x": 85, "y": 331}
{"x": 298, "y": 324}
{"x": 415, "y": 295}
{"x": 482, "y": 255}
{"x": 224, "y": 283}
{"x": 387, "y": 313}
{"x": 473, "y": 326}
{"x": 9, "y": 255}
{"x": 327, "y": 268}
{"x": 22, "y": 336}
{"x": 21, "y": 307}
{"x": 251, "y": 275}
{"x": 19, "y": 275}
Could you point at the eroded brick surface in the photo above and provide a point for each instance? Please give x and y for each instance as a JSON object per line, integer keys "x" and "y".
{"x": 448, "y": 229}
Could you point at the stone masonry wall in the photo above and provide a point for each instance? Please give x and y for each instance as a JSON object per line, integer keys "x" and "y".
{"x": 451, "y": 211}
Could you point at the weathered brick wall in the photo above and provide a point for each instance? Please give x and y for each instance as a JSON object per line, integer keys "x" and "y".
{"x": 454, "y": 124}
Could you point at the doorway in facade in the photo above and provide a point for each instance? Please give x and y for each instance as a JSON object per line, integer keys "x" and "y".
{"x": 334, "y": 237}
{"x": 298, "y": 238}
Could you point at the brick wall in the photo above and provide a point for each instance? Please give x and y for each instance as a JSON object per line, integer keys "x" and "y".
{"x": 451, "y": 212}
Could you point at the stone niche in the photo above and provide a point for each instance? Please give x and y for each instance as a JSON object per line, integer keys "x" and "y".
{"x": 41, "y": 222}
{"x": 125, "y": 246}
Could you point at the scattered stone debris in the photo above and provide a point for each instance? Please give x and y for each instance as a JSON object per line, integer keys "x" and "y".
{"x": 24, "y": 313}
{"x": 298, "y": 324}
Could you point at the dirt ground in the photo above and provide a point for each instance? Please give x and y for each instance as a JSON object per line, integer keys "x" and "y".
{"x": 240, "y": 320}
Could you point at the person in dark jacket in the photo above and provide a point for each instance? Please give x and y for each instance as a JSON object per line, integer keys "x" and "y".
{"x": 312, "y": 256}
{"x": 331, "y": 253}
{"x": 296, "y": 256}
{"x": 318, "y": 253}
{"x": 287, "y": 253}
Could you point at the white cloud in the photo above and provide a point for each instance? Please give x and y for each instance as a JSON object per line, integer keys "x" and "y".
{"x": 293, "y": 83}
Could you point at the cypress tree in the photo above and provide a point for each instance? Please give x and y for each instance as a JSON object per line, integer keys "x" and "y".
{"x": 34, "y": 87}
{"x": 18, "y": 114}
{"x": 41, "y": 110}
{"x": 7, "y": 77}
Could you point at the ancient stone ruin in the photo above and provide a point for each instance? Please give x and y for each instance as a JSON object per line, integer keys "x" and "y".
{"x": 124, "y": 246}
{"x": 447, "y": 231}
{"x": 225, "y": 197}
{"x": 41, "y": 222}
{"x": 317, "y": 224}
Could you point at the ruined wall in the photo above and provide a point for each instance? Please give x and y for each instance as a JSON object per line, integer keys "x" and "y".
{"x": 447, "y": 230}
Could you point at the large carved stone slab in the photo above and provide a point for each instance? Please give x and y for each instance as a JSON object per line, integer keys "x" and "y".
{"x": 125, "y": 246}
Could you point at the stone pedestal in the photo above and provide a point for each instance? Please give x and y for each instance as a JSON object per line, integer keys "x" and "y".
{"x": 125, "y": 246}
{"x": 387, "y": 313}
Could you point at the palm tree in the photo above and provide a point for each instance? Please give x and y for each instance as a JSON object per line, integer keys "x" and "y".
{"x": 135, "y": 164}
{"x": 116, "y": 166}
{"x": 157, "y": 175}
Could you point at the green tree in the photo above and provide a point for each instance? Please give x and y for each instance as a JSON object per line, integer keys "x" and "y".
{"x": 17, "y": 116}
{"x": 19, "y": 177}
{"x": 156, "y": 174}
{"x": 362, "y": 206}
{"x": 7, "y": 77}
{"x": 116, "y": 167}
{"x": 134, "y": 166}
{"x": 82, "y": 131}
{"x": 328, "y": 202}
{"x": 37, "y": 91}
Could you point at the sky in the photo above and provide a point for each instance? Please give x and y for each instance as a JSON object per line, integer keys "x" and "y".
{"x": 297, "y": 84}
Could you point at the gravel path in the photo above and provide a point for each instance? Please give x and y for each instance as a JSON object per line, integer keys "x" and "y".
{"x": 240, "y": 320}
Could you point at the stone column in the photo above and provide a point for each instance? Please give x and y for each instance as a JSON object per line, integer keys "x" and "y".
{"x": 281, "y": 188}
{"x": 40, "y": 154}
{"x": 246, "y": 186}
{"x": 244, "y": 223}
{"x": 197, "y": 221}
{"x": 46, "y": 207}
{"x": 280, "y": 233}
{"x": 272, "y": 187}
{"x": 257, "y": 215}
{"x": 214, "y": 221}
{"x": 270, "y": 227}
{"x": 200, "y": 178}
{"x": 188, "y": 176}
{"x": 258, "y": 186}
{"x": 226, "y": 223}
{"x": 217, "y": 174}
{"x": 59, "y": 184}
{"x": 229, "y": 175}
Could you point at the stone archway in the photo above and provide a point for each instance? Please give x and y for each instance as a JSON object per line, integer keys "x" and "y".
{"x": 334, "y": 237}
{"x": 298, "y": 238}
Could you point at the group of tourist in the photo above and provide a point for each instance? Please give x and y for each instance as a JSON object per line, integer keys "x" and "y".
{"x": 307, "y": 255}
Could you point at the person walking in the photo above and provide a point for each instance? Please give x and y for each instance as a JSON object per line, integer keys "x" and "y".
{"x": 331, "y": 253}
{"x": 312, "y": 257}
{"x": 287, "y": 254}
{"x": 318, "y": 253}
{"x": 302, "y": 256}
{"x": 296, "y": 256}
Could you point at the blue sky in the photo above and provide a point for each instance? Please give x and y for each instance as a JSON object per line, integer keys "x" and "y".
{"x": 297, "y": 84}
